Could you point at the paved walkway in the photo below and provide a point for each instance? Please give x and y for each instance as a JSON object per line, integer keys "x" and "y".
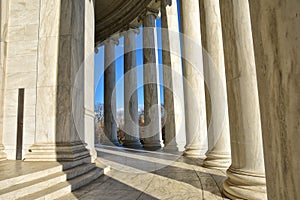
{"x": 142, "y": 175}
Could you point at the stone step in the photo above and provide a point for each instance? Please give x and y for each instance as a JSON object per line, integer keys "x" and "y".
{"x": 78, "y": 176}
{"x": 54, "y": 192}
{"x": 79, "y": 170}
{"x": 86, "y": 178}
{"x": 23, "y": 178}
{"x": 69, "y": 196}
{"x": 70, "y": 165}
{"x": 30, "y": 187}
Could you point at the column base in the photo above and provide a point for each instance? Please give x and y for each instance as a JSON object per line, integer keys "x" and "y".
{"x": 2, "y": 154}
{"x": 194, "y": 153}
{"x": 132, "y": 144}
{"x": 242, "y": 185}
{"x": 153, "y": 145}
{"x": 64, "y": 152}
{"x": 111, "y": 143}
{"x": 217, "y": 160}
{"x": 171, "y": 148}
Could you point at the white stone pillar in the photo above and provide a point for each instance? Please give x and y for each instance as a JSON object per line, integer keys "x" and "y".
{"x": 195, "y": 111}
{"x": 110, "y": 113}
{"x": 3, "y": 27}
{"x": 152, "y": 112}
{"x": 89, "y": 42}
{"x": 218, "y": 155}
{"x": 60, "y": 103}
{"x": 131, "y": 115}
{"x": 276, "y": 28}
{"x": 246, "y": 175}
{"x": 172, "y": 72}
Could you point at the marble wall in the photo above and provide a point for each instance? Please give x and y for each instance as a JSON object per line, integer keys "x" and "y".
{"x": 20, "y": 71}
{"x": 3, "y": 28}
{"x": 276, "y": 28}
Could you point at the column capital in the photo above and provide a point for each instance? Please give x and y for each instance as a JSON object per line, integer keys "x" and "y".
{"x": 132, "y": 28}
{"x": 96, "y": 50}
{"x": 150, "y": 11}
{"x": 112, "y": 40}
{"x": 166, "y": 3}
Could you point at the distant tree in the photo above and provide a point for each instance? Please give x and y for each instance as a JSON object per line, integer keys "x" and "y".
{"x": 99, "y": 112}
{"x": 99, "y": 122}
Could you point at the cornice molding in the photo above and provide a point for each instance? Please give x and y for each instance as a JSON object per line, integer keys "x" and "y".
{"x": 116, "y": 21}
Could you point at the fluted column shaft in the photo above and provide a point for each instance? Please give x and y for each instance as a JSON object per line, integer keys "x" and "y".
{"x": 131, "y": 116}
{"x": 110, "y": 125}
{"x": 246, "y": 175}
{"x": 59, "y": 124}
{"x": 195, "y": 112}
{"x": 219, "y": 154}
{"x": 170, "y": 125}
{"x": 152, "y": 112}
{"x": 278, "y": 71}
{"x": 89, "y": 72}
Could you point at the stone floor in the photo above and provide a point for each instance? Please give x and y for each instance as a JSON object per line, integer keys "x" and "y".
{"x": 13, "y": 169}
{"x": 142, "y": 175}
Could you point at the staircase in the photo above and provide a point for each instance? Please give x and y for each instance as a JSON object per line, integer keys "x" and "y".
{"x": 50, "y": 183}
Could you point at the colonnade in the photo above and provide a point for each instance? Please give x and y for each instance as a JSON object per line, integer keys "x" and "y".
{"x": 235, "y": 87}
{"x": 223, "y": 122}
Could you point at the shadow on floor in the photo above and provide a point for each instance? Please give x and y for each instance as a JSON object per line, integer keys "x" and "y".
{"x": 139, "y": 176}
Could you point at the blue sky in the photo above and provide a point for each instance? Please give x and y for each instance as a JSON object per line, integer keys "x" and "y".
{"x": 119, "y": 50}
{"x": 99, "y": 66}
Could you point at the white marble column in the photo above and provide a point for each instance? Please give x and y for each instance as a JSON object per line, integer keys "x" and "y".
{"x": 195, "y": 111}
{"x": 110, "y": 124}
{"x": 152, "y": 112}
{"x": 131, "y": 115}
{"x": 59, "y": 134}
{"x": 218, "y": 155}
{"x": 3, "y": 27}
{"x": 246, "y": 175}
{"x": 276, "y": 28}
{"x": 89, "y": 42}
{"x": 172, "y": 72}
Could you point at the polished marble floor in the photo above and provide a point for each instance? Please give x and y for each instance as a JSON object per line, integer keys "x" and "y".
{"x": 13, "y": 169}
{"x": 143, "y": 175}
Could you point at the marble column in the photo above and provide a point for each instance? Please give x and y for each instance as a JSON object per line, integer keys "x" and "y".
{"x": 110, "y": 113}
{"x": 276, "y": 28}
{"x": 172, "y": 73}
{"x": 194, "y": 93}
{"x": 246, "y": 175}
{"x": 218, "y": 155}
{"x": 89, "y": 42}
{"x": 131, "y": 115}
{"x": 3, "y": 27}
{"x": 152, "y": 110}
{"x": 59, "y": 107}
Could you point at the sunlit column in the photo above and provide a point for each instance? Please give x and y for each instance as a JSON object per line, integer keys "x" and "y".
{"x": 246, "y": 175}
{"x": 194, "y": 93}
{"x": 110, "y": 124}
{"x": 172, "y": 72}
{"x": 278, "y": 73}
{"x": 152, "y": 112}
{"x": 131, "y": 115}
{"x": 219, "y": 155}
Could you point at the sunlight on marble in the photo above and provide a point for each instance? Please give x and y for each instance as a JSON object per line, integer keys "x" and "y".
{"x": 158, "y": 159}
{"x": 144, "y": 175}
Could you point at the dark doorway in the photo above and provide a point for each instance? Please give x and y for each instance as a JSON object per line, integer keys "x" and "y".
{"x": 20, "y": 124}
